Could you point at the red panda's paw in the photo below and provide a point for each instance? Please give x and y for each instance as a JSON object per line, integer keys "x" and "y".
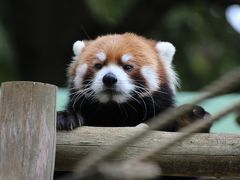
{"x": 67, "y": 120}
{"x": 197, "y": 113}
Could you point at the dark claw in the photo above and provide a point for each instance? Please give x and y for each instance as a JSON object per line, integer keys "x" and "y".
{"x": 67, "y": 120}
{"x": 197, "y": 113}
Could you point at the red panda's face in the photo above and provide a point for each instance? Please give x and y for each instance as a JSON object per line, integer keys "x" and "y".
{"x": 115, "y": 67}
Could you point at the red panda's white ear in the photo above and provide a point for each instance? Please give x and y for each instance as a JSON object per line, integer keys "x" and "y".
{"x": 78, "y": 47}
{"x": 166, "y": 51}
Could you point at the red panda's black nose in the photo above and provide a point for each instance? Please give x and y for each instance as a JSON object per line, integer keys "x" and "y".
{"x": 109, "y": 80}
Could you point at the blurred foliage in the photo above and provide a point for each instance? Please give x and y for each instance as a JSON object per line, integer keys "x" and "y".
{"x": 206, "y": 44}
{"x": 108, "y": 11}
{"x": 7, "y": 66}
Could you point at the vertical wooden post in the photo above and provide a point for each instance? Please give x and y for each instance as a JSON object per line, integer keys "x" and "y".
{"x": 27, "y": 131}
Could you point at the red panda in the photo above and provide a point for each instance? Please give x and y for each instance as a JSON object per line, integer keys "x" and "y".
{"x": 119, "y": 80}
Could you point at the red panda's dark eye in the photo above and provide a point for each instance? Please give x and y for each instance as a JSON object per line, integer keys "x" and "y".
{"x": 98, "y": 66}
{"x": 127, "y": 67}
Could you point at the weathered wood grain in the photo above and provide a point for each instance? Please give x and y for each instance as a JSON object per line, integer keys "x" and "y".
{"x": 27, "y": 131}
{"x": 201, "y": 155}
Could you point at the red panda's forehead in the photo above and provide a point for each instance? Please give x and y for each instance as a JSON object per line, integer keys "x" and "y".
{"x": 115, "y": 46}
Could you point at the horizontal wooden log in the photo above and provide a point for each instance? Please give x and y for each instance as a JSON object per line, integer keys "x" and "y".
{"x": 200, "y": 155}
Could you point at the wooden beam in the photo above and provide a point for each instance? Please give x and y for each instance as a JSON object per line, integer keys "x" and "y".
{"x": 201, "y": 155}
{"x": 27, "y": 130}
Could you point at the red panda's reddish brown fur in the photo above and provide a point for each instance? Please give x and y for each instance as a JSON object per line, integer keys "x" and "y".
{"x": 122, "y": 80}
{"x": 142, "y": 49}
{"x": 107, "y": 90}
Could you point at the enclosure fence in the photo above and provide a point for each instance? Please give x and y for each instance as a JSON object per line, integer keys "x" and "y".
{"x": 30, "y": 147}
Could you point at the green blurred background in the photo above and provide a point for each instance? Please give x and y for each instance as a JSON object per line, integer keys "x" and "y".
{"x": 36, "y": 37}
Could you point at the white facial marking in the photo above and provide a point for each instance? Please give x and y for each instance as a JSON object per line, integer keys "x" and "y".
{"x": 166, "y": 52}
{"x": 78, "y": 47}
{"x": 172, "y": 76}
{"x": 101, "y": 56}
{"x": 103, "y": 98}
{"x": 123, "y": 86}
{"x": 120, "y": 98}
{"x": 126, "y": 57}
{"x": 151, "y": 76}
{"x": 80, "y": 72}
